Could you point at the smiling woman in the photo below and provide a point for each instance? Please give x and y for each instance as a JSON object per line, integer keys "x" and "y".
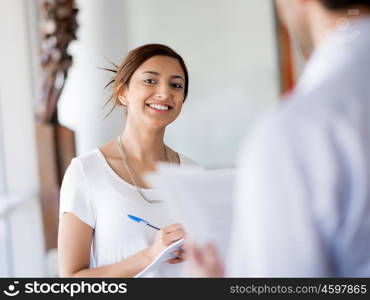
{"x": 157, "y": 86}
{"x": 102, "y": 187}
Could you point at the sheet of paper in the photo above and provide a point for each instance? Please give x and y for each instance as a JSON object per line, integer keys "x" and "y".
{"x": 161, "y": 258}
{"x": 201, "y": 200}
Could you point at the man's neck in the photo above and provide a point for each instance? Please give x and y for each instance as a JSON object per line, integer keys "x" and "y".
{"x": 324, "y": 22}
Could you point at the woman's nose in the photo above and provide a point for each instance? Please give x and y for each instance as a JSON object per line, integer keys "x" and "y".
{"x": 163, "y": 92}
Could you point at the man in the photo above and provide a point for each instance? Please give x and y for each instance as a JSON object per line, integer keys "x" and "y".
{"x": 303, "y": 196}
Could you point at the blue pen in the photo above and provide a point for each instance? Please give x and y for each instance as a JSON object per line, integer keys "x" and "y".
{"x": 136, "y": 219}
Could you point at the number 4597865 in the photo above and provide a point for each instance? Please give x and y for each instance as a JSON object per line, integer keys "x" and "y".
{"x": 344, "y": 289}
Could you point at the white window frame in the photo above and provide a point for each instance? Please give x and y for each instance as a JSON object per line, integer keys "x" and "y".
{"x": 22, "y": 239}
{"x": 6, "y": 266}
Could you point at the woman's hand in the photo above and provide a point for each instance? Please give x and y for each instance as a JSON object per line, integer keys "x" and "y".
{"x": 203, "y": 262}
{"x": 165, "y": 237}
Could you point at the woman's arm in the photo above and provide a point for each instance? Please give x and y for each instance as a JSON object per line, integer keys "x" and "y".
{"x": 74, "y": 244}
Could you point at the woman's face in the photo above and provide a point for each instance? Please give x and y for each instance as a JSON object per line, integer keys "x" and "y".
{"x": 156, "y": 92}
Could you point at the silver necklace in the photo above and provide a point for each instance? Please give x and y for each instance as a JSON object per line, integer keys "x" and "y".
{"x": 130, "y": 172}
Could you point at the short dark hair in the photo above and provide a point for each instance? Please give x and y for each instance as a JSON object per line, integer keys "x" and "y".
{"x": 343, "y": 4}
{"x": 133, "y": 60}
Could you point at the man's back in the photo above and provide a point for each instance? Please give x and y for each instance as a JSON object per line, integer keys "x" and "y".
{"x": 303, "y": 205}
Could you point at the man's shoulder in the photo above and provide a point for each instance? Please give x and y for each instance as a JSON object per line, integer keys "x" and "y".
{"x": 323, "y": 107}
{"x": 315, "y": 116}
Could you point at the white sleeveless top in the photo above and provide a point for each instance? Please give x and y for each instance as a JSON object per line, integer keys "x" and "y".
{"x": 100, "y": 198}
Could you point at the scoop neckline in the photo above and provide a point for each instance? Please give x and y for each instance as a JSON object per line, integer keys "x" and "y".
{"x": 118, "y": 178}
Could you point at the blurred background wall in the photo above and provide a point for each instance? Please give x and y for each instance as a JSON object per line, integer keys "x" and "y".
{"x": 231, "y": 52}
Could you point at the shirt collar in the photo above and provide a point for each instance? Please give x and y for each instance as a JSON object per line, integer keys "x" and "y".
{"x": 339, "y": 50}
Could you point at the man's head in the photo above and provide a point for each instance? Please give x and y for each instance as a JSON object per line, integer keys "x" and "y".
{"x": 344, "y": 4}
{"x": 310, "y": 20}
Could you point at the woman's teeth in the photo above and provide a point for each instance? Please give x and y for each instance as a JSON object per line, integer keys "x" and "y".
{"x": 158, "y": 106}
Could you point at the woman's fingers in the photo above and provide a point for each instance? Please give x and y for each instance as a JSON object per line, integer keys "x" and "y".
{"x": 179, "y": 257}
{"x": 175, "y": 261}
{"x": 165, "y": 237}
{"x": 171, "y": 228}
{"x": 180, "y": 254}
{"x": 173, "y": 236}
{"x": 169, "y": 235}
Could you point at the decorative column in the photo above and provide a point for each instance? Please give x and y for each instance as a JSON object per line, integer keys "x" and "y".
{"x": 56, "y": 144}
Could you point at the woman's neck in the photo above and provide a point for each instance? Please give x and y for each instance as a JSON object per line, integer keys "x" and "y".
{"x": 143, "y": 144}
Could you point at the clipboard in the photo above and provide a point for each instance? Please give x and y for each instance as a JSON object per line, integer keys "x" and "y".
{"x": 161, "y": 258}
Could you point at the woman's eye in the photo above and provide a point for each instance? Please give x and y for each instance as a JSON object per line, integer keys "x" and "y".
{"x": 176, "y": 85}
{"x": 150, "y": 81}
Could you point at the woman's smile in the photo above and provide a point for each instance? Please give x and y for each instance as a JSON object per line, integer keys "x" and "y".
{"x": 159, "y": 108}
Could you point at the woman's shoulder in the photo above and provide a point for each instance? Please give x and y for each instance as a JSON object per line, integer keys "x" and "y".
{"x": 87, "y": 157}
{"x": 86, "y": 162}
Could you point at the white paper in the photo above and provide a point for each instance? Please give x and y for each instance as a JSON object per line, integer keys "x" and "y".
{"x": 161, "y": 258}
{"x": 200, "y": 199}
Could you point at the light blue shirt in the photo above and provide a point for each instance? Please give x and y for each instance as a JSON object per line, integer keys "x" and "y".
{"x": 303, "y": 198}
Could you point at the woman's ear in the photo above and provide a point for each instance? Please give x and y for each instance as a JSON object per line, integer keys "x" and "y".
{"x": 122, "y": 99}
{"x": 121, "y": 91}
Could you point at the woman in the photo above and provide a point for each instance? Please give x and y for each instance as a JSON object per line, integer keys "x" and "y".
{"x": 100, "y": 188}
